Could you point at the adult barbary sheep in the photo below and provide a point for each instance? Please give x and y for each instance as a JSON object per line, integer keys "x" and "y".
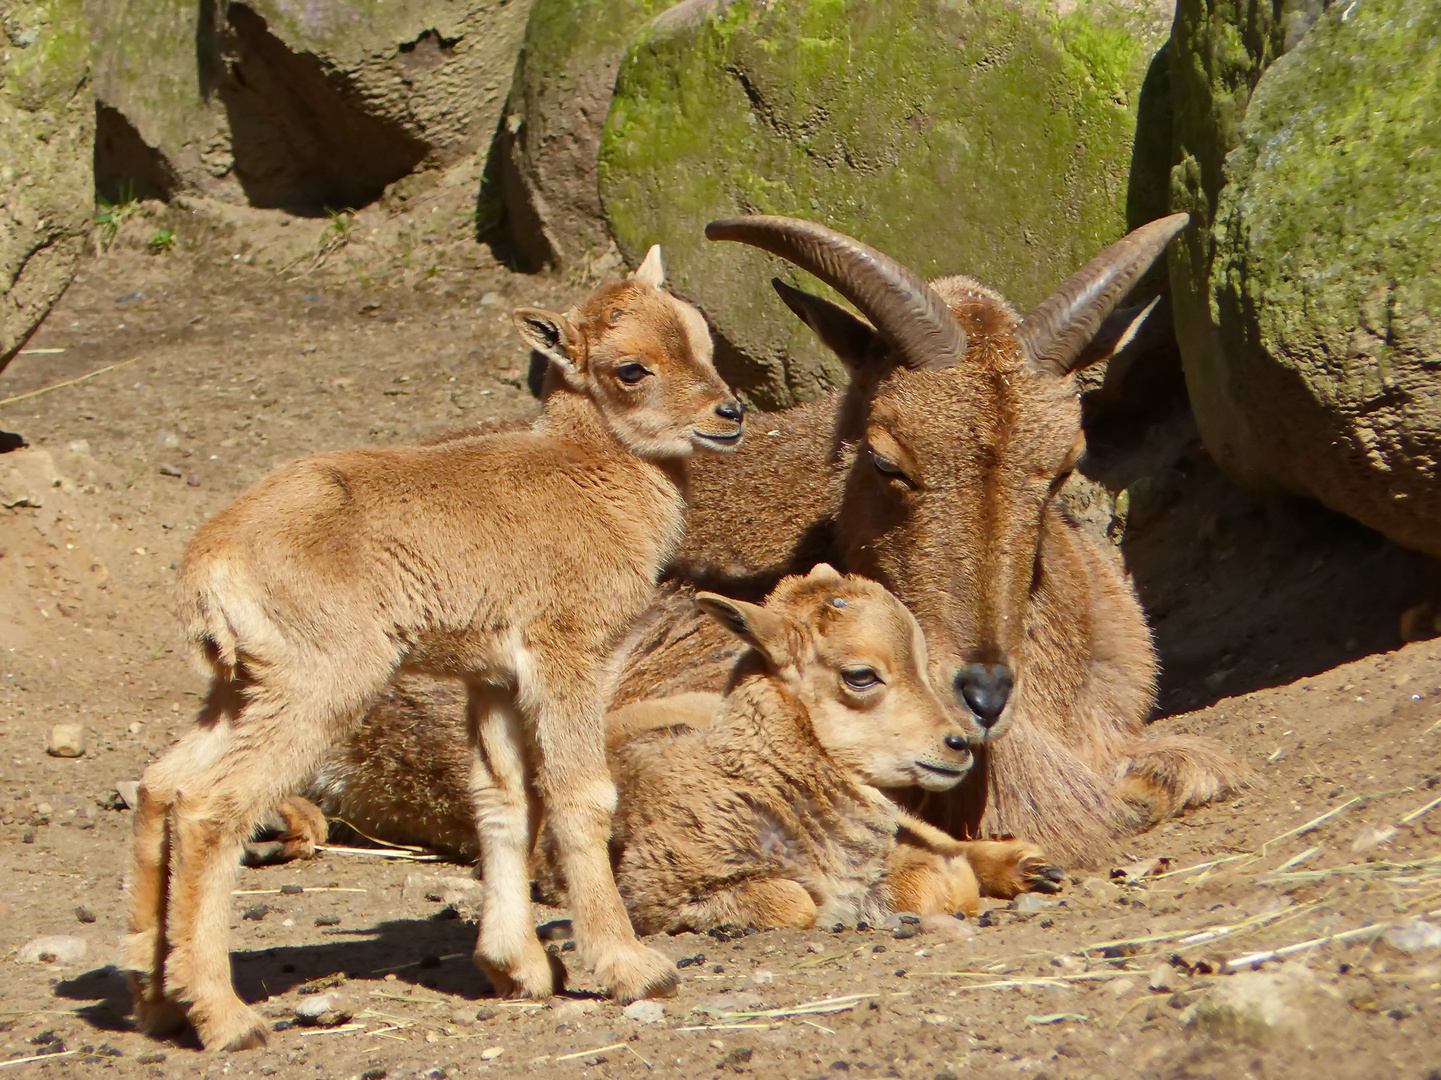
{"x": 936, "y": 472}
{"x": 515, "y": 562}
{"x": 764, "y": 807}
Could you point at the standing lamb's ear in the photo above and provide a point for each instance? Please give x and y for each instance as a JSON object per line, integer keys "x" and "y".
{"x": 760, "y": 628}
{"x": 552, "y": 336}
{"x": 651, "y": 271}
{"x": 823, "y": 571}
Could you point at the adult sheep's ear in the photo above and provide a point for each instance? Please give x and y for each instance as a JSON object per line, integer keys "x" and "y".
{"x": 552, "y": 336}
{"x": 759, "y": 627}
{"x": 651, "y": 271}
{"x": 850, "y": 337}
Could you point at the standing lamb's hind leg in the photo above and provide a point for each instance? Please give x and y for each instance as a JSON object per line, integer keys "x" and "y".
{"x": 147, "y": 884}
{"x": 276, "y": 740}
{"x": 507, "y": 949}
{"x": 579, "y": 798}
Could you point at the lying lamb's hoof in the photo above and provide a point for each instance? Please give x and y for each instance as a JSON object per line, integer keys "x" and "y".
{"x": 638, "y": 973}
{"x": 1040, "y": 876}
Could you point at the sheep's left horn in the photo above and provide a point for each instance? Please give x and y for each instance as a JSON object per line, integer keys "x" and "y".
{"x": 1054, "y": 336}
{"x": 906, "y": 311}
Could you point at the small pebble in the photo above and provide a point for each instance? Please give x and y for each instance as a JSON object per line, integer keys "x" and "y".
{"x": 484, "y": 1013}
{"x": 493, "y": 1052}
{"x": 322, "y": 1010}
{"x": 66, "y": 741}
{"x": 256, "y": 912}
{"x": 644, "y": 1011}
{"x": 53, "y": 949}
{"x": 291, "y": 890}
{"x": 84, "y": 914}
{"x": 327, "y": 920}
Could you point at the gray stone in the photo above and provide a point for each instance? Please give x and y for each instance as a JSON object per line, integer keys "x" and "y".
{"x": 1413, "y": 936}
{"x": 323, "y": 1010}
{"x": 299, "y": 106}
{"x": 1259, "y": 1007}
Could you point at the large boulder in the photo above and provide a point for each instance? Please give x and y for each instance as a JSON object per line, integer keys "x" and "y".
{"x": 46, "y": 187}
{"x": 549, "y": 143}
{"x": 1219, "y": 50}
{"x": 299, "y": 105}
{"x": 993, "y": 138}
{"x": 1322, "y": 372}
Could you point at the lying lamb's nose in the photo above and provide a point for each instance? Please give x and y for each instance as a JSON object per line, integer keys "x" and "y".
{"x": 731, "y": 410}
{"x": 985, "y": 688}
{"x": 955, "y": 742}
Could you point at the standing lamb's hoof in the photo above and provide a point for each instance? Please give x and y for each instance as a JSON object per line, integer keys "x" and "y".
{"x": 638, "y": 973}
{"x": 539, "y": 975}
{"x": 236, "y": 1027}
{"x": 157, "y": 1017}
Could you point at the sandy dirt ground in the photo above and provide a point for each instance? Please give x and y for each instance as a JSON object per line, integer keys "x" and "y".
{"x": 1278, "y": 624}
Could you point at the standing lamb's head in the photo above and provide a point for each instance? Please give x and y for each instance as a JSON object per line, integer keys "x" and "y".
{"x": 960, "y": 425}
{"x": 644, "y": 358}
{"x": 852, "y": 656}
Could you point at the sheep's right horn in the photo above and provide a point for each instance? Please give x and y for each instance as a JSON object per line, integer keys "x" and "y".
{"x": 900, "y": 305}
{"x": 1054, "y": 336}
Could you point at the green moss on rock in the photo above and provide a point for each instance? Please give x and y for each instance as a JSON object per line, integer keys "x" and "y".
{"x": 1326, "y": 286}
{"x": 46, "y": 127}
{"x": 992, "y": 138}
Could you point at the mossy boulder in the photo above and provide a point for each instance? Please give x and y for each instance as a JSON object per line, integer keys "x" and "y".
{"x": 549, "y": 143}
{"x": 300, "y": 106}
{"x": 1324, "y": 371}
{"x": 993, "y": 138}
{"x": 46, "y": 187}
{"x": 1218, "y": 52}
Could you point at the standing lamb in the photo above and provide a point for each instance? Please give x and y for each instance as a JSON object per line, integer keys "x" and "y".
{"x": 515, "y": 562}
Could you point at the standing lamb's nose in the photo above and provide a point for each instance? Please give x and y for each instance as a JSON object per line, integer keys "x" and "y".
{"x": 985, "y": 688}
{"x": 731, "y": 410}
{"x": 955, "y": 742}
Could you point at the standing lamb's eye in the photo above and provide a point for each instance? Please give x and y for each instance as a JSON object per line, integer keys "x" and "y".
{"x": 630, "y": 374}
{"x": 860, "y": 678}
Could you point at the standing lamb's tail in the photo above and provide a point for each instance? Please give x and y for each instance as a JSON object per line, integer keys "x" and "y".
{"x": 220, "y": 616}
{"x": 1162, "y": 775}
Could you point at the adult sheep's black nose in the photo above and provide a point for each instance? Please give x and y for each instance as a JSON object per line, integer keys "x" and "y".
{"x": 955, "y": 742}
{"x": 985, "y": 688}
{"x": 731, "y": 410}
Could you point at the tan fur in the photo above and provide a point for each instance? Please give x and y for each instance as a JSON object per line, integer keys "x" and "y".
{"x": 979, "y": 549}
{"x": 765, "y": 808}
{"x": 515, "y": 562}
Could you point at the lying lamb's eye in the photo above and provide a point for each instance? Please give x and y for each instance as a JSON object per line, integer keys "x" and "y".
{"x": 630, "y": 374}
{"x": 886, "y": 465}
{"x": 860, "y": 678}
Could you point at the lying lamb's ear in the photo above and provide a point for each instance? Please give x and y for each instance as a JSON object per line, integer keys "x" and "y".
{"x": 850, "y": 337}
{"x": 651, "y": 271}
{"x": 757, "y": 626}
{"x": 552, "y": 336}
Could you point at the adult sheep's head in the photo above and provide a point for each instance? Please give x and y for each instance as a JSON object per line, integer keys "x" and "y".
{"x": 960, "y": 425}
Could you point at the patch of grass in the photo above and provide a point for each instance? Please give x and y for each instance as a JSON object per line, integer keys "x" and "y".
{"x": 162, "y": 242}
{"x": 337, "y": 233}
{"x": 111, "y": 216}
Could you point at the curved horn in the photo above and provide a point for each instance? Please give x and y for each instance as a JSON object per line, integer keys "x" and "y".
{"x": 1054, "y": 335}
{"x": 900, "y": 305}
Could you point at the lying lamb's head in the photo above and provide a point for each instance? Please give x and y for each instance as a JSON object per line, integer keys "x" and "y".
{"x": 852, "y": 655}
{"x": 961, "y": 422}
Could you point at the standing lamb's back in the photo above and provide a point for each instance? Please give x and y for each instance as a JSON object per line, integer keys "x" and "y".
{"x": 515, "y": 562}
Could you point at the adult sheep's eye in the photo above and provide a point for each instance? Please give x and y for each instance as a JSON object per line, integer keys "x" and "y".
{"x": 630, "y": 374}
{"x": 860, "y": 678}
{"x": 886, "y": 465}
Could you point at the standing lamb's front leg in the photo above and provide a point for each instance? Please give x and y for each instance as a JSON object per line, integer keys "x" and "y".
{"x": 567, "y": 711}
{"x": 507, "y": 948}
